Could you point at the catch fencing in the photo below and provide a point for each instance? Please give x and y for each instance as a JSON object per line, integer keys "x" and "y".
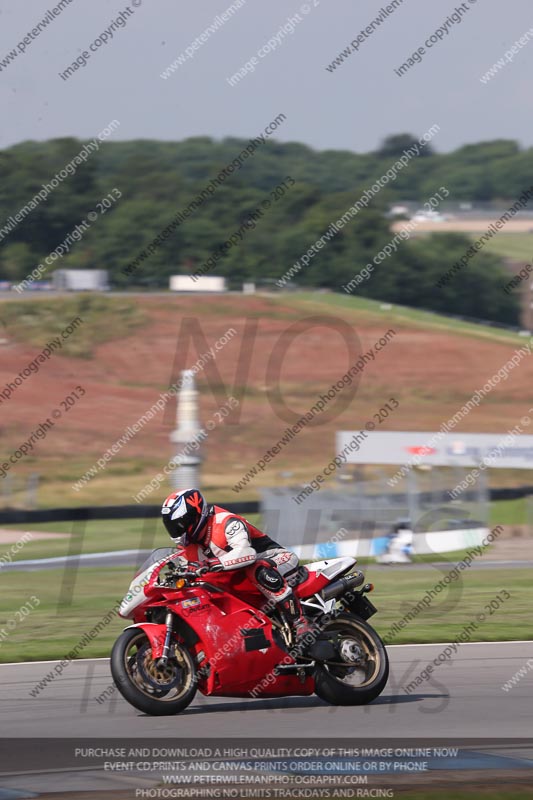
{"x": 368, "y": 510}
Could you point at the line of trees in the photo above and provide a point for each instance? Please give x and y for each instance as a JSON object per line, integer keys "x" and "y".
{"x": 158, "y": 179}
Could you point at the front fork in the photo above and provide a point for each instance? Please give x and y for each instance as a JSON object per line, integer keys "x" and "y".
{"x": 169, "y": 622}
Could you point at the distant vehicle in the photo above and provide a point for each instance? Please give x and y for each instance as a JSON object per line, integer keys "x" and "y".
{"x": 80, "y": 280}
{"x": 201, "y": 283}
{"x": 399, "y": 211}
{"x": 428, "y": 216}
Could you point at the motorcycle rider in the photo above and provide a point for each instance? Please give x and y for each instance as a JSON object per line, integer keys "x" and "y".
{"x": 221, "y": 540}
{"x": 399, "y": 545}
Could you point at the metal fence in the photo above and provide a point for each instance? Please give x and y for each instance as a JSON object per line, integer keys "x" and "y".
{"x": 369, "y": 509}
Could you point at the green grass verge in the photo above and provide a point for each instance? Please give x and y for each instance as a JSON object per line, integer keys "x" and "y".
{"x": 95, "y": 536}
{"x": 508, "y": 512}
{"x": 392, "y": 314}
{"x": 103, "y": 319}
{"x": 72, "y": 602}
{"x": 453, "y": 608}
{"x": 518, "y": 246}
{"x": 485, "y": 791}
{"x": 102, "y": 536}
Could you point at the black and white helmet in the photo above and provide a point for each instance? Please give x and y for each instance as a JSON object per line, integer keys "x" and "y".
{"x": 184, "y": 516}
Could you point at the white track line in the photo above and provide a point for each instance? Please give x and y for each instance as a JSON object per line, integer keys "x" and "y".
{"x": 59, "y": 560}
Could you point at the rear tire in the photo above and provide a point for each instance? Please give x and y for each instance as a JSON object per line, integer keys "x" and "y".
{"x": 156, "y": 691}
{"x": 367, "y": 664}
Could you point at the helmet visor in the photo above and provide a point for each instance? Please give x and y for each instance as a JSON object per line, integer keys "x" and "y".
{"x": 176, "y": 529}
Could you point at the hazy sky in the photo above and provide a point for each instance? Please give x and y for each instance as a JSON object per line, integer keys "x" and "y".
{"x": 352, "y": 108}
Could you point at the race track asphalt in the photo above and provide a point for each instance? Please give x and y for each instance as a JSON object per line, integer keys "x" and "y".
{"x": 464, "y": 697}
{"x": 463, "y": 704}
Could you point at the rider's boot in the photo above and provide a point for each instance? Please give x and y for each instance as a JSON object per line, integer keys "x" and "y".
{"x": 292, "y": 610}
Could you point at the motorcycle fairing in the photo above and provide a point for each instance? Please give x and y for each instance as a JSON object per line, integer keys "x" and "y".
{"x": 230, "y": 629}
{"x": 155, "y": 633}
{"x": 321, "y": 573}
{"x": 239, "y": 647}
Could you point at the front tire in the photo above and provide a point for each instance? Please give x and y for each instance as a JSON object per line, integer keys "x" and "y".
{"x": 362, "y": 671}
{"x": 148, "y": 687}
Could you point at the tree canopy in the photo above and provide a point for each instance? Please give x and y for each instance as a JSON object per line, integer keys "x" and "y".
{"x": 159, "y": 179}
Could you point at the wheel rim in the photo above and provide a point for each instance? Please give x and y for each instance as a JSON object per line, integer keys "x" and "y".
{"x": 168, "y": 683}
{"x": 360, "y": 660}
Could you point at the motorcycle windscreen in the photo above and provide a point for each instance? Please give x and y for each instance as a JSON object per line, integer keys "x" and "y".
{"x": 135, "y": 594}
{"x": 155, "y": 556}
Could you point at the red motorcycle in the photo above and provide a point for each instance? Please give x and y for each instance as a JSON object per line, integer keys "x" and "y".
{"x": 217, "y": 633}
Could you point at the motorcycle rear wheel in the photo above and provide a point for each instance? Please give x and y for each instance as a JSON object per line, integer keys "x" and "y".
{"x": 362, "y": 671}
{"x": 143, "y": 683}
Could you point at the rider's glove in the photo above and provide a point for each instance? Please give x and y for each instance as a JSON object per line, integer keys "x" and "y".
{"x": 214, "y": 565}
{"x": 211, "y": 565}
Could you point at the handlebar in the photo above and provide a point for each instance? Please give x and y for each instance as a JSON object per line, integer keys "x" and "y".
{"x": 175, "y": 573}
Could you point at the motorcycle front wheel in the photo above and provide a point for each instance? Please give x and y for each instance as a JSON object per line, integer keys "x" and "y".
{"x": 360, "y": 672}
{"x": 151, "y": 688}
